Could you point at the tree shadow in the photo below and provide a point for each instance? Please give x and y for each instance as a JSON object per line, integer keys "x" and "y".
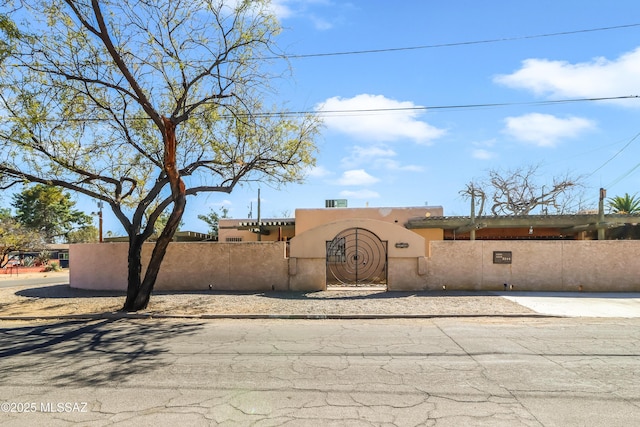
{"x": 92, "y": 352}
{"x": 66, "y": 291}
{"x": 366, "y": 295}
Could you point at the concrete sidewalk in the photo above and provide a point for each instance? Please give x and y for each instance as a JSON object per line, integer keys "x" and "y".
{"x": 574, "y": 304}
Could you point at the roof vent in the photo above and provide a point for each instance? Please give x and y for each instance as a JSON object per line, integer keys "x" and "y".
{"x": 335, "y": 203}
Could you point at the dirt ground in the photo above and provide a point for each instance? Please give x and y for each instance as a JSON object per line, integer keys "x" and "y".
{"x": 60, "y": 300}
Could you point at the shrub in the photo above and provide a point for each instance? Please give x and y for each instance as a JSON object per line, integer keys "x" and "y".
{"x": 43, "y": 258}
{"x": 28, "y": 261}
{"x": 54, "y": 266}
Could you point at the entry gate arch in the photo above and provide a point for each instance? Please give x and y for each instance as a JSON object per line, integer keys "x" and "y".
{"x": 356, "y": 256}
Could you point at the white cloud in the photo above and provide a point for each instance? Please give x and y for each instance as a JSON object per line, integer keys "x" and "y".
{"x": 321, "y": 23}
{"x": 317, "y": 172}
{"x": 394, "y": 165}
{"x": 356, "y": 177}
{"x": 559, "y": 79}
{"x": 378, "y": 157}
{"x": 545, "y": 130}
{"x": 285, "y": 9}
{"x": 365, "y": 155}
{"x": 377, "y": 126}
{"x": 360, "y": 194}
{"x": 281, "y": 9}
{"x": 482, "y": 154}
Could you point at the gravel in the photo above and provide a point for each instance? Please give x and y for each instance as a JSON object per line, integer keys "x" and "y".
{"x": 61, "y": 300}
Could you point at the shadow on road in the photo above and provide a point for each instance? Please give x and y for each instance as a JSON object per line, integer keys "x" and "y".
{"x": 65, "y": 291}
{"x": 92, "y": 352}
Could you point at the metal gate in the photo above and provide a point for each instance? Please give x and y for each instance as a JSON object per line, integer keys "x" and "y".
{"x": 356, "y": 256}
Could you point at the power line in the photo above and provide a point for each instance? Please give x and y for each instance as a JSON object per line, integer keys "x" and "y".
{"x": 371, "y": 111}
{"x": 615, "y": 155}
{"x": 464, "y": 43}
{"x": 367, "y": 111}
{"x": 442, "y": 45}
{"x": 623, "y": 176}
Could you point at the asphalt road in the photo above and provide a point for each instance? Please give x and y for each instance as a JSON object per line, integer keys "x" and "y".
{"x": 434, "y": 372}
{"x": 34, "y": 281}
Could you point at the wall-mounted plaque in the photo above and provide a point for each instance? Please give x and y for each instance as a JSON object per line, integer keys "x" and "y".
{"x": 502, "y": 257}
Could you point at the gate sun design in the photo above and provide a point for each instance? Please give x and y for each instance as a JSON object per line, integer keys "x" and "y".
{"x": 355, "y": 257}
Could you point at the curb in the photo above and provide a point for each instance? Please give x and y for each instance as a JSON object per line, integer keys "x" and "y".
{"x": 135, "y": 316}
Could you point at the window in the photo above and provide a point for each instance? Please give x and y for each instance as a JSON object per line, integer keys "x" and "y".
{"x": 233, "y": 239}
{"x": 336, "y": 250}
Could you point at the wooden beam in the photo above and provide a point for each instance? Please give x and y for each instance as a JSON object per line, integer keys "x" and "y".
{"x": 540, "y": 221}
{"x": 467, "y": 228}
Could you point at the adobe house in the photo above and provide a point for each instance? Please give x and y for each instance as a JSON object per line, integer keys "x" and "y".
{"x": 360, "y": 245}
{"x": 403, "y": 249}
{"x": 284, "y": 229}
{"x": 531, "y": 227}
{"x": 345, "y": 245}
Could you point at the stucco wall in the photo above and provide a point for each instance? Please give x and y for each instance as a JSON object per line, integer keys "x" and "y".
{"x": 308, "y": 274}
{"x": 404, "y": 263}
{"x": 307, "y": 219}
{"x": 312, "y": 243}
{"x": 406, "y": 274}
{"x": 591, "y": 266}
{"x": 187, "y": 266}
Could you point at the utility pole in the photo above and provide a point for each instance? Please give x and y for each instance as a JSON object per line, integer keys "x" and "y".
{"x": 259, "y": 219}
{"x": 603, "y": 195}
{"x": 472, "y": 233}
{"x": 99, "y": 213}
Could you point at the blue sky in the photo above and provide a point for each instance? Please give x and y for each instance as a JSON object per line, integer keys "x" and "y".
{"x": 410, "y": 158}
{"x": 426, "y": 156}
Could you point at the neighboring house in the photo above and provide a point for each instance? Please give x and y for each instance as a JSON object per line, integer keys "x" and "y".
{"x": 250, "y": 230}
{"x": 58, "y": 253}
{"x": 429, "y": 222}
{"x": 180, "y": 236}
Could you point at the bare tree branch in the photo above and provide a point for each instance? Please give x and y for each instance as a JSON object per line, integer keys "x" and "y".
{"x": 517, "y": 192}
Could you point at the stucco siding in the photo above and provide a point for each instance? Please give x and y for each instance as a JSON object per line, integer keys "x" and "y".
{"x": 403, "y": 275}
{"x": 186, "y": 266}
{"x": 596, "y": 266}
{"x": 310, "y": 275}
{"x": 591, "y": 266}
{"x": 456, "y": 265}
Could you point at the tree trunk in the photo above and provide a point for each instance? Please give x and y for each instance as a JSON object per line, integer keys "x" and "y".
{"x": 140, "y": 300}
{"x": 134, "y": 259}
{"x": 139, "y": 293}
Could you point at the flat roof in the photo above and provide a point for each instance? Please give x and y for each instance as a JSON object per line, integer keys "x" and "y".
{"x": 569, "y": 223}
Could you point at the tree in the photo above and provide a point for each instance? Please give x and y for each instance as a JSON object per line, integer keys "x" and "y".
{"x": 212, "y": 219}
{"x": 86, "y": 234}
{"x": 49, "y": 210}
{"x": 15, "y": 237}
{"x": 516, "y": 192}
{"x": 8, "y": 32}
{"x": 144, "y": 104}
{"x": 624, "y": 204}
{"x": 161, "y": 223}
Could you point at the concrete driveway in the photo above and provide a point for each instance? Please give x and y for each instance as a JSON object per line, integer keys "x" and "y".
{"x": 574, "y": 304}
